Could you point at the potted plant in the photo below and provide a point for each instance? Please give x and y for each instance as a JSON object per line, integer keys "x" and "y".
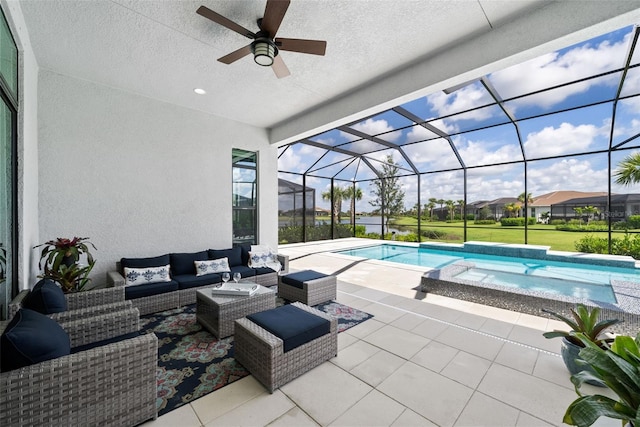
{"x": 585, "y": 321}
{"x": 60, "y": 259}
{"x": 618, "y": 369}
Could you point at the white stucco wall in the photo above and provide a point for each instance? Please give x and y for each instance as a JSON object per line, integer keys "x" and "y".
{"x": 138, "y": 176}
{"x": 27, "y": 147}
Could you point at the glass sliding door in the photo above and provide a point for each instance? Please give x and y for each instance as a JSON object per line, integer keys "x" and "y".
{"x": 8, "y": 166}
{"x": 245, "y": 197}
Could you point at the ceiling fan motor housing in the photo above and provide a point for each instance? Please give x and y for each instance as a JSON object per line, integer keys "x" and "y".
{"x": 263, "y": 49}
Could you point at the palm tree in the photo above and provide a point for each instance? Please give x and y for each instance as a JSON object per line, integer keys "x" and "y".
{"x": 338, "y": 196}
{"x": 628, "y": 171}
{"x": 353, "y": 193}
{"x": 579, "y": 211}
{"x": 521, "y": 199}
{"x": 511, "y": 208}
{"x": 460, "y": 204}
{"x": 432, "y": 204}
{"x": 441, "y": 203}
{"x": 452, "y": 207}
{"x": 429, "y": 207}
{"x": 590, "y": 211}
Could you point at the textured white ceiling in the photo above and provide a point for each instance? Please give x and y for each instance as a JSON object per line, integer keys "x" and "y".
{"x": 163, "y": 49}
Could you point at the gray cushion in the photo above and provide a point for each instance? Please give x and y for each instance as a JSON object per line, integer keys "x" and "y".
{"x": 31, "y": 337}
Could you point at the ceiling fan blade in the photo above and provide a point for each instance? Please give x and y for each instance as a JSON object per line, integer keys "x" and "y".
{"x": 273, "y": 15}
{"x": 225, "y": 22}
{"x": 280, "y": 68}
{"x": 314, "y": 47}
{"x": 235, "y": 55}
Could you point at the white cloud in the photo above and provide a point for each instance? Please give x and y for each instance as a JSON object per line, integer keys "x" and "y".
{"x": 486, "y": 152}
{"x": 556, "y": 68}
{"x": 567, "y": 138}
{"x": 463, "y": 99}
{"x": 565, "y": 174}
{"x": 374, "y": 127}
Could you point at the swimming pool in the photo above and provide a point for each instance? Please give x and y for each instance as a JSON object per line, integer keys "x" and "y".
{"x": 582, "y": 281}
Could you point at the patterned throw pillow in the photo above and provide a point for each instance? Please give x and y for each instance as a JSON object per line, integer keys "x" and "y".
{"x": 261, "y": 258}
{"x": 141, "y": 276}
{"x": 212, "y": 266}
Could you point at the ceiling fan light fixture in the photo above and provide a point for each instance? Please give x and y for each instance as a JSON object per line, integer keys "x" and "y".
{"x": 264, "y": 51}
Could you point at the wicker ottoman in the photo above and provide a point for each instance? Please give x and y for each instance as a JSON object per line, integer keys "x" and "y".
{"x": 263, "y": 353}
{"x": 307, "y": 286}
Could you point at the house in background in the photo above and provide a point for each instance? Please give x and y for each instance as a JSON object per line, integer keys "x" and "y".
{"x": 542, "y": 204}
{"x": 622, "y": 207}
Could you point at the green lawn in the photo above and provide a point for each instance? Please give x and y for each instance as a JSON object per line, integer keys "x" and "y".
{"x": 538, "y": 234}
{"x": 545, "y": 235}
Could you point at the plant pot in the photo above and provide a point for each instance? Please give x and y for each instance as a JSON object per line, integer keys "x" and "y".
{"x": 570, "y": 352}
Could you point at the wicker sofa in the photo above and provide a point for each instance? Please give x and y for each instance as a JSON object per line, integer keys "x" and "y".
{"x": 184, "y": 282}
{"x": 112, "y": 384}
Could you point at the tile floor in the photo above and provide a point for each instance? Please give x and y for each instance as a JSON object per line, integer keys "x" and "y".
{"x": 423, "y": 360}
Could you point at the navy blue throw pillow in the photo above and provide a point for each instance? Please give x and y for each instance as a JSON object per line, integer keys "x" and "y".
{"x": 234, "y": 255}
{"x": 31, "y": 337}
{"x": 46, "y": 297}
{"x": 183, "y": 263}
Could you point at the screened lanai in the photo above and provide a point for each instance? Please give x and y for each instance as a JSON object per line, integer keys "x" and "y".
{"x": 555, "y": 126}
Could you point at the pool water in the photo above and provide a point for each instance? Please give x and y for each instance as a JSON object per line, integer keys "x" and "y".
{"x": 560, "y": 278}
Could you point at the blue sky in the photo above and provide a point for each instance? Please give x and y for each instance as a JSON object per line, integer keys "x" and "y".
{"x": 578, "y": 131}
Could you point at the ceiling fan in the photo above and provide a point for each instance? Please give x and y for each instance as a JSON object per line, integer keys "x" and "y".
{"x": 265, "y": 46}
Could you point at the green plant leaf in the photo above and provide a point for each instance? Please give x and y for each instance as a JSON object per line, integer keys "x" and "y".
{"x": 585, "y": 410}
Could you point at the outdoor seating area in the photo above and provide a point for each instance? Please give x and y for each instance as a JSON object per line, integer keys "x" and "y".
{"x": 293, "y": 212}
{"x": 83, "y": 366}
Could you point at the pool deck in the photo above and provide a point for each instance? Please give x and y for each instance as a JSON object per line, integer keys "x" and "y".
{"x": 422, "y": 360}
{"x": 445, "y": 282}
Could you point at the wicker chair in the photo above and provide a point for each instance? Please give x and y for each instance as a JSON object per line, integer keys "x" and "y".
{"x": 114, "y": 385}
{"x": 85, "y": 323}
{"x": 262, "y": 353}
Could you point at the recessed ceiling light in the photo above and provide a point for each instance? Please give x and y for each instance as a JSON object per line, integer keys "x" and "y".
{"x": 200, "y": 91}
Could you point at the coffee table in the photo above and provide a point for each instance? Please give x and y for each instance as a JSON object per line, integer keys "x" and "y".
{"x": 217, "y": 313}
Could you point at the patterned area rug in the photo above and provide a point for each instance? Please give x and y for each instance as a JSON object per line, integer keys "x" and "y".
{"x": 192, "y": 362}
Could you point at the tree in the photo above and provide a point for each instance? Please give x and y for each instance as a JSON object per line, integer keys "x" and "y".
{"x": 387, "y": 192}
{"x": 429, "y": 207}
{"x": 441, "y": 203}
{"x": 545, "y": 216}
{"x": 338, "y": 196}
{"x": 451, "y": 205}
{"x": 353, "y": 193}
{"x": 511, "y": 208}
{"x": 460, "y": 204}
{"x": 590, "y": 211}
{"x": 579, "y": 211}
{"x": 628, "y": 171}
{"x": 521, "y": 199}
{"x": 432, "y": 204}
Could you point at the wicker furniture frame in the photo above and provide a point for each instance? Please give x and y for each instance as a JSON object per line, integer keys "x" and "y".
{"x": 217, "y": 313}
{"x": 112, "y": 385}
{"x": 176, "y": 299}
{"x": 91, "y": 323}
{"x": 262, "y": 353}
{"x": 313, "y": 292}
